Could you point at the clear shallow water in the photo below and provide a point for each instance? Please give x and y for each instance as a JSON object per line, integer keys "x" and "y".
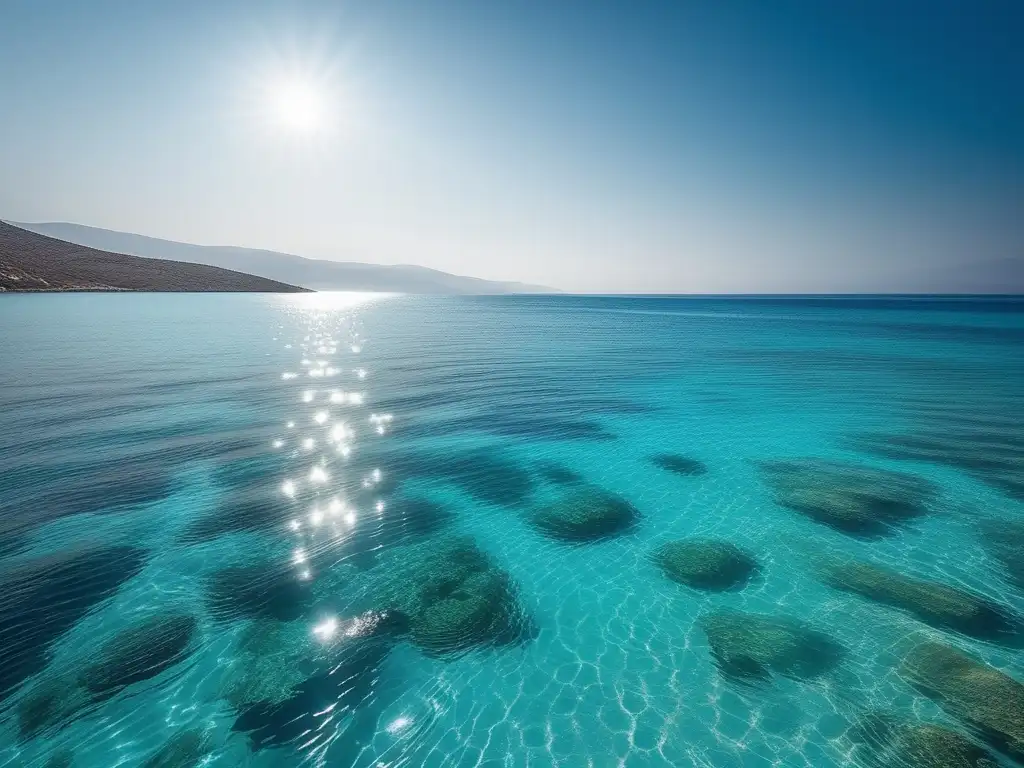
{"x": 210, "y": 551}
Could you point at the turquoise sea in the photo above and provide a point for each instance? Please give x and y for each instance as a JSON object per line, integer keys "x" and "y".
{"x": 368, "y": 531}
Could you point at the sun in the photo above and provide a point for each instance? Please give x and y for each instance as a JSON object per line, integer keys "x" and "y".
{"x": 297, "y": 106}
{"x": 308, "y": 98}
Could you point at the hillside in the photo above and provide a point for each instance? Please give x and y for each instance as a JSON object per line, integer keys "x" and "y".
{"x": 34, "y": 262}
{"x": 320, "y": 275}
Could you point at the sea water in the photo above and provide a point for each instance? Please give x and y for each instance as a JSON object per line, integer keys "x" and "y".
{"x": 234, "y": 529}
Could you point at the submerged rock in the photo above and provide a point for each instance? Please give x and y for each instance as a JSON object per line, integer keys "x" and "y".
{"x": 44, "y": 597}
{"x": 361, "y": 543}
{"x": 895, "y": 744}
{"x": 478, "y": 610}
{"x": 271, "y": 660}
{"x": 235, "y": 518}
{"x": 185, "y": 749}
{"x": 51, "y": 703}
{"x": 463, "y": 601}
{"x": 706, "y": 564}
{"x": 410, "y": 518}
{"x": 559, "y": 475}
{"x": 586, "y": 514}
{"x": 981, "y": 696}
{"x": 62, "y": 758}
{"x": 236, "y": 514}
{"x": 681, "y": 465}
{"x": 486, "y": 474}
{"x": 937, "y": 605}
{"x": 854, "y": 499}
{"x": 988, "y": 447}
{"x": 257, "y": 591}
{"x": 751, "y": 648}
{"x": 311, "y": 705}
{"x": 139, "y": 653}
{"x": 452, "y": 597}
{"x": 136, "y": 654}
{"x": 1004, "y": 540}
{"x": 931, "y": 746}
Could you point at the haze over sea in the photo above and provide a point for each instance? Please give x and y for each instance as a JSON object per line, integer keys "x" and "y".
{"x": 370, "y": 530}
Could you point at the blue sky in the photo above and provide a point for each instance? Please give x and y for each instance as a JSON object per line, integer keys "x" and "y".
{"x": 594, "y": 146}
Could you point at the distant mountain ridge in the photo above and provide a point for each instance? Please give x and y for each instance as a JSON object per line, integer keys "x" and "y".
{"x": 315, "y": 274}
{"x": 30, "y": 261}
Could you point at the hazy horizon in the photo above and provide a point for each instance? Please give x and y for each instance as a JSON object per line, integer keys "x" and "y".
{"x": 591, "y": 148}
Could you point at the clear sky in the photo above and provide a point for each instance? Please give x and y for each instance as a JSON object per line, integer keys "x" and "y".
{"x": 723, "y": 145}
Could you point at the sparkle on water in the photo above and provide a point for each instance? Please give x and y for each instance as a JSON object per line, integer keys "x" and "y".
{"x": 289, "y": 532}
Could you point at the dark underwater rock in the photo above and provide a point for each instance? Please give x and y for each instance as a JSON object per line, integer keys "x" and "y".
{"x": 515, "y": 423}
{"x": 586, "y": 514}
{"x": 680, "y": 465}
{"x": 452, "y": 597}
{"x": 931, "y": 746}
{"x": 237, "y": 474}
{"x": 50, "y": 703}
{"x": 348, "y": 685}
{"x": 981, "y": 696}
{"x": 185, "y": 749}
{"x": 853, "y": 499}
{"x": 136, "y": 654}
{"x": 257, "y": 591}
{"x": 12, "y": 536}
{"x": 1004, "y": 541}
{"x": 477, "y": 611}
{"x": 409, "y": 518}
{"x": 935, "y": 604}
{"x": 271, "y": 660}
{"x": 990, "y": 452}
{"x": 139, "y": 653}
{"x": 53, "y": 491}
{"x": 485, "y": 474}
{"x": 62, "y": 758}
{"x": 402, "y": 521}
{"x": 559, "y": 475}
{"x": 706, "y": 564}
{"x": 463, "y": 601}
{"x": 751, "y": 648}
{"x": 42, "y": 598}
{"x": 895, "y": 744}
{"x": 239, "y": 514}
{"x": 490, "y": 477}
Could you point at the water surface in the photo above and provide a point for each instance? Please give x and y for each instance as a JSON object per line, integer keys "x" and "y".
{"x": 408, "y": 531}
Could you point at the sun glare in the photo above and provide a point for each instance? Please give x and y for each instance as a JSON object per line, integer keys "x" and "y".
{"x": 298, "y": 106}
{"x": 301, "y": 94}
